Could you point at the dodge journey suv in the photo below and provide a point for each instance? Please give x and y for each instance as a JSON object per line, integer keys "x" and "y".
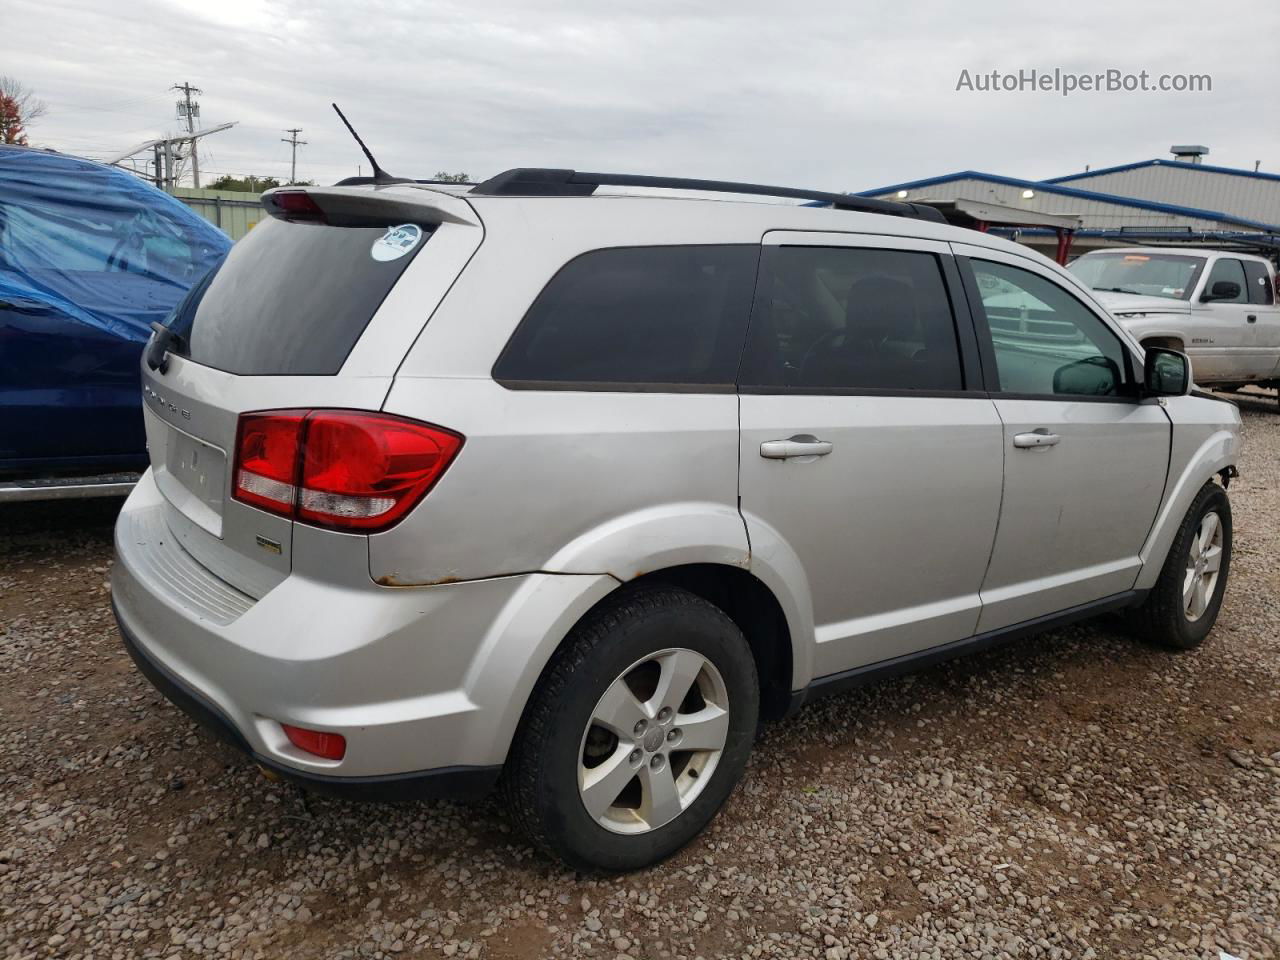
{"x": 566, "y": 493}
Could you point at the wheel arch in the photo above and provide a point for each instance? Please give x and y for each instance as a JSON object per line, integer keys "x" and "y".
{"x": 750, "y": 604}
{"x": 743, "y": 597}
{"x": 1169, "y": 341}
{"x": 1214, "y": 457}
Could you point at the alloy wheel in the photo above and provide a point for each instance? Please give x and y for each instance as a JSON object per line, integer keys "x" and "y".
{"x": 1204, "y": 563}
{"x": 653, "y": 741}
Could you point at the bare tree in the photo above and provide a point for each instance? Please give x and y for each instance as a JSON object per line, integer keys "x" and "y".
{"x": 19, "y": 108}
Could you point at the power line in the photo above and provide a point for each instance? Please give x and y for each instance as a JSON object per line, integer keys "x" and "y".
{"x": 295, "y": 143}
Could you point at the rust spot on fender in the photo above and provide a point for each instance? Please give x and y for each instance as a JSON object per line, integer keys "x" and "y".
{"x": 391, "y": 580}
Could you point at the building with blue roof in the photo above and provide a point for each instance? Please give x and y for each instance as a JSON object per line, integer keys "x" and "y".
{"x": 1182, "y": 200}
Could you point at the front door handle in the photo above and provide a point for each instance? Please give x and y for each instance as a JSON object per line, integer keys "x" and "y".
{"x": 1252, "y": 318}
{"x": 800, "y": 446}
{"x": 1036, "y": 438}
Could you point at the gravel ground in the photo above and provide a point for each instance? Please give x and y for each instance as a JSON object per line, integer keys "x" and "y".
{"x": 1075, "y": 795}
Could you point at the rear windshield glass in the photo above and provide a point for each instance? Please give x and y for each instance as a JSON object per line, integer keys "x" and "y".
{"x": 293, "y": 298}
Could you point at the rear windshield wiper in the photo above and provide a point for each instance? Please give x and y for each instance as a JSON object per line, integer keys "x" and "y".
{"x": 163, "y": 341}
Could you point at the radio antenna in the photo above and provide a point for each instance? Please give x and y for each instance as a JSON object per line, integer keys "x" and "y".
{"x": 379, "y": 175}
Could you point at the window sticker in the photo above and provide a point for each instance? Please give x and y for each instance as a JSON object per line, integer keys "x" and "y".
{"x": 396, "y": 242}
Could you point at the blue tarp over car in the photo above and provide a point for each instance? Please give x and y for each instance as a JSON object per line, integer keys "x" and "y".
{"x": 90, "y": 256}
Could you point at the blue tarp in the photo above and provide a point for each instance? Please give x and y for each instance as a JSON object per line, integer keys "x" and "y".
{"x": 95, "y": 243}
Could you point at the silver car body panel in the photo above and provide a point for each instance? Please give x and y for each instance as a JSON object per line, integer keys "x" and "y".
{"x": 422, "y": 644}
{"x": 889, "y": 533}
{"x": 415, "y": 679}
{"x": 526, "y": 492}
{"x": 1206, "y": 442}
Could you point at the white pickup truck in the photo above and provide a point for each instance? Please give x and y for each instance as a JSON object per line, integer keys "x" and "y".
{"x": 1219, "y": 307}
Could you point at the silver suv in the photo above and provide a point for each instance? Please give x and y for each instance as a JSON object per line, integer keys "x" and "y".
{"x": 569, "y": 492}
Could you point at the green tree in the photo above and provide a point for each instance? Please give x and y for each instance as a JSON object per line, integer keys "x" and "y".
{"x": 245, "y": 184}
{"x": 451, "y": 177}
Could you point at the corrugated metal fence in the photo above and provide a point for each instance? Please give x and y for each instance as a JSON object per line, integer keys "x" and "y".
{"x": 233, "y": 212}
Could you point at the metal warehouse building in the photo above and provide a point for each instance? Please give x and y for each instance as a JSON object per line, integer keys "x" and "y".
{"x": 1182, "y": 200}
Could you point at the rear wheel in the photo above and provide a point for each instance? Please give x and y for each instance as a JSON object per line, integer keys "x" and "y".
{"x": 1183, "y": 606}
{"x": 637, "y": 733}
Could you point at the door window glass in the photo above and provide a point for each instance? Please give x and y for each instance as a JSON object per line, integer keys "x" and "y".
{"x": 1046, "y": 342}
{"x": 1228, "y": 270}
{"x": 841, "y": 318}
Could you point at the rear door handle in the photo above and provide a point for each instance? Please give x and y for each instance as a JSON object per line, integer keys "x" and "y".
{"x": 801, "y": 445}
{"x": 1252, "y": 318}
{"x": 1036, "y": 438}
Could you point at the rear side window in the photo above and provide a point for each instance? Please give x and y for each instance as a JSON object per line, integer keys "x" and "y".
{"x": 837, "y": 318}
{"x": 290, "y": 298}
{"x": 636, "y": 318}
{"x": 1260, "y": 290}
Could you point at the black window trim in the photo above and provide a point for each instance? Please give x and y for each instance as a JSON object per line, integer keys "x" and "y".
{"x": 613, "y": 386}
{"x": 623, "y": 386}
{"x": 967, "y": 343}
{"x": 1267, "y": 283}
{"x": 986, "y": 347}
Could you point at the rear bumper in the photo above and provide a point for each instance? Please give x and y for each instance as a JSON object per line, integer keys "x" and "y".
{"x": 427, "y": 684}
{"x": 457, "y": 782}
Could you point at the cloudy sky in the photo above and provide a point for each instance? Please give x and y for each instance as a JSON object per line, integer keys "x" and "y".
{"x": 846, "y": 95}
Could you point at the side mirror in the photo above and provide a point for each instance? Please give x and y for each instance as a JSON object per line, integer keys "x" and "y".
{"x": 1092, "y": 377}
{"x": 1165, "y": 373}
{"x": 1222, "y": 290}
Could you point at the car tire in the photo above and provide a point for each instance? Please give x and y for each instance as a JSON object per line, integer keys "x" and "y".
{"x": 1183, "y": 606}
{"x": 607, "y": 719}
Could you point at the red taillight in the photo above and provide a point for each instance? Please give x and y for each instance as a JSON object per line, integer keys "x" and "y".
{"x": 267, "y": 459}
{"x": 337, "y": 468}
{"x": 294, "y": 205}
{"x": 361, "y": 471}
{"x": 331, "y": 746}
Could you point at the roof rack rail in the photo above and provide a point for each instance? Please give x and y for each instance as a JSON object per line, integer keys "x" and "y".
{"x": 548, "y": 182}
{"x": 365, "y": 181}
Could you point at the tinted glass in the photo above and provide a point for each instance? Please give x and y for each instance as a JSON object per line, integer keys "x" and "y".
{"x": 1046, "y": 341}
{"x": 1260, "y": 288}
{"x": 639, "y": 316}
{"x": 836, "y": 318}
{"x": 290, "y": 298}
{"x": 1231, "y": 272}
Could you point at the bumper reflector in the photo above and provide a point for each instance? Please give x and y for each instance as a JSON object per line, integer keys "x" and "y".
{"x": 330, "y": 746}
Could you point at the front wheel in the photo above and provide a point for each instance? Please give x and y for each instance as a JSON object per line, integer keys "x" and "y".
{"x": 1183, "y": 606}
{"x": 637, "y": 733}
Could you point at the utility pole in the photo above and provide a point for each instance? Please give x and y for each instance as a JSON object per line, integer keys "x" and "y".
{"x": 294, "y": 142}
{"x": 189, "y": 111}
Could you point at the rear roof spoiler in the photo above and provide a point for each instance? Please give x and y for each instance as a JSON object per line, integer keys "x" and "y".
{"x": 548, "y": 182}
{"x": 360, "y": 206}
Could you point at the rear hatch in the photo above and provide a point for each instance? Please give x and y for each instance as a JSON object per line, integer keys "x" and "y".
{"x": 313, "y": 309}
